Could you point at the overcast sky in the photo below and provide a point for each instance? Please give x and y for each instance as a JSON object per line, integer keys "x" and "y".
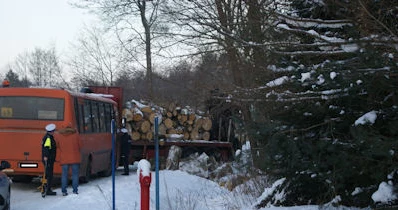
{"x": 27, "y": 24}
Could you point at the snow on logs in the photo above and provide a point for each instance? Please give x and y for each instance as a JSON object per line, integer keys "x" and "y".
{"x": 174, "y": 122}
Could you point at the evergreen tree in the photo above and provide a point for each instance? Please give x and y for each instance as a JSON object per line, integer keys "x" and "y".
{"x": 14, "y": 80}
{"x": 336, "y": 70}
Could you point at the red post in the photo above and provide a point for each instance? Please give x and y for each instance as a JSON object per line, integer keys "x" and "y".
{"x": 145, "y": 183}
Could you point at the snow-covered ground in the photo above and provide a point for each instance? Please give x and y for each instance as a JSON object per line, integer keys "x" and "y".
{"x": 178, "y": 190}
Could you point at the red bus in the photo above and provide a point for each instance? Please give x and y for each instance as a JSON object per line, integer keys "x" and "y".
{"x": 26, "y": 111}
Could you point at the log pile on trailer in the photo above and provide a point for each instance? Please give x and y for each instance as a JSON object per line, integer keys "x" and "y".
{"x": 192, "y": 131}
{"x": 174, "y": 122}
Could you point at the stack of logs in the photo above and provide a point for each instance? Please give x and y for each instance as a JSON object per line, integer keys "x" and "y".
{"x": 174, "y": 122}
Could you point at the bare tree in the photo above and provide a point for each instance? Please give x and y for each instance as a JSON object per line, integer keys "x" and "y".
{"x": 234, "y": 28}
{"x": 236, "y": 31}
{"x": 21, "y": 66}
{"x": 44, "y": 68}
{"x": 121, "y": 16}
{"x": 96, "y": 58}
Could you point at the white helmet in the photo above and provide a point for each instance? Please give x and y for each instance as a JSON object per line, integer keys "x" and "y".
{"x": 50, "y": 127}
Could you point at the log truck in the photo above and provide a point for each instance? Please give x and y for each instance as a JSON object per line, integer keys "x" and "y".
{"x": 221, "y": 149}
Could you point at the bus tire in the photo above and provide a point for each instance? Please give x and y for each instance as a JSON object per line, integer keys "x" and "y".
{"x": 108, "y": 171}
{"x": 86, "y": 178}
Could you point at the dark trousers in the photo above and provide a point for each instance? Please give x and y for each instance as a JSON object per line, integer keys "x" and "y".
{"x": 49, "y": 173}
{"x": 125, "y": 159}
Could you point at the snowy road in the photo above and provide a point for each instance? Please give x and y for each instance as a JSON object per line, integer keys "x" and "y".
{"x": 96, "y": 193}
{"x": 178, "y": 190}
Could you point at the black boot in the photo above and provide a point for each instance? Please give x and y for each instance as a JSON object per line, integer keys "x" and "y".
{"x": 50, "y": 192}
{"x": 49, "y": 184}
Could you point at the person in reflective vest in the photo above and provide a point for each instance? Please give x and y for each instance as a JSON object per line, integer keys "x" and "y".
{"x": 49, "y": 153}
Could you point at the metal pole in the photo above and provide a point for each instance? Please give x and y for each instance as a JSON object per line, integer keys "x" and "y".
{"x": 113, "y": 131}
{"x": 157, "y": 162}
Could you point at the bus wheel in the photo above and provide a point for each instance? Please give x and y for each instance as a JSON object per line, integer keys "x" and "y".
{"x": 108, "y": 171}
{"x": 87, "y": 176}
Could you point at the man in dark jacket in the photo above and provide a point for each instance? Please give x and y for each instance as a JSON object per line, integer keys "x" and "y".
{"x": 125, "y": 150}
{"x": 49, "y": 152}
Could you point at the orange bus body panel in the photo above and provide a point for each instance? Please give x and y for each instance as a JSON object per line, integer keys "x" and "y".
{"x": 20, "y": 139}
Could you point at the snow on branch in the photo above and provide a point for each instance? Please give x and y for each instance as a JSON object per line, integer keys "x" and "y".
{"x": 288, "y": 96}
{"x": 310, "y": 23}
{"x": 368, "y": 118}
{"x": 312, "y": 52}
{"x": 311, "y": 33}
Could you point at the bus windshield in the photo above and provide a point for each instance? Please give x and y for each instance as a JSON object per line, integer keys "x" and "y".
{"x": 31, "y": 108}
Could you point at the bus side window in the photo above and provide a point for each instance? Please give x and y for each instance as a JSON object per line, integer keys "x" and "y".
{"x": 81, "y": 119}
{"x": 88, "y": 124}
{"x": 108, "y": 117}
{"x": 95, "y": 116}
{"x": 77, "y": 114}
{"x": 102, "y": 117}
